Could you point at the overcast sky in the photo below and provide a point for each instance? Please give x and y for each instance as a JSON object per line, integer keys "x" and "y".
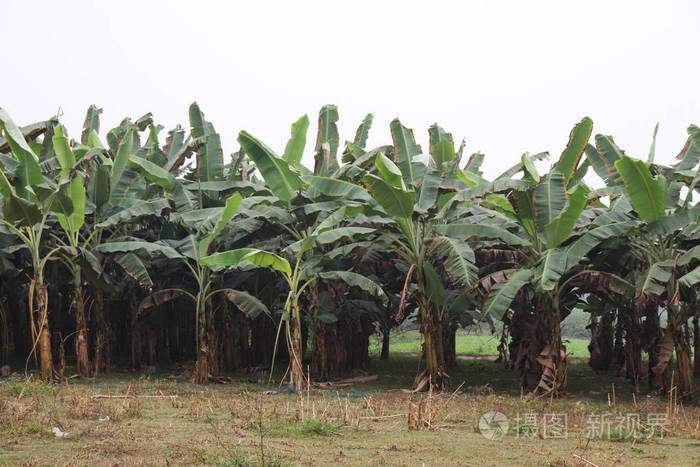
{"x": 509, "y": 76}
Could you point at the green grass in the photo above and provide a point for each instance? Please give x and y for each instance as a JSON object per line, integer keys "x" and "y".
{"x": 467, "y": 344}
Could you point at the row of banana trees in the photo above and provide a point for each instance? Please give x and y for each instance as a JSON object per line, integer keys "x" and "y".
{"x": 136, "y": 247}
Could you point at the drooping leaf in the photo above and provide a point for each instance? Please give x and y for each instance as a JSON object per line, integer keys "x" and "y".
{"x": 466, "y": 230}
{"x": 691, "y": 279}
{"x": 333, "y": 235}
{"x": 502, "y": 185}
{"x": 529, "y": 169}
{"x": 389, "y": 171}
{"x": 691, "y": 255}
{"x": 511, "y": 172}
{"x": 690, "y": 154}
{"x": 458, "y": 259}
{"x": 395, "y": 201}
{"x": 654, "y": 279}
{"x": 356, "y": 280}
{"x": 591, "y": 239}
{"x": 137, "y": 245}
{"x": 134, "y": 209}
{"x": 247, "y": 303}
{"x": 337, "y": 188}
{"x": 337, "y": 216}
{"x": 153, "y": 172}
{"x": 676, "y": 221}
{"x": 6, "y": 189}
{"x": 20, "y": 210}
{"x": 134, "y": 268}
{"x": 647, "y": 194}
{"x": 283, "y": 182}
{"x": 258, "y": 257}
{"x": 503, "y": 294}
{"x": 603, "y": 157}
{"x": 159, "y": 298}
{"x": 30, "y": 173}
{"x": 219, "y": 222}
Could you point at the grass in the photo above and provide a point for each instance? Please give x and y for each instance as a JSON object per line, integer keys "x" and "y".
{"x": 468, "y": 344}
{"x": 238, "y": 424}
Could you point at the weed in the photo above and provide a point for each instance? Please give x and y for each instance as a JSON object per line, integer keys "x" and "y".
{"x": 16, "y": 386}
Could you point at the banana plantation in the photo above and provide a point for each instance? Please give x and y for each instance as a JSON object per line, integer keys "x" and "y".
{"x": 137, "y": 248}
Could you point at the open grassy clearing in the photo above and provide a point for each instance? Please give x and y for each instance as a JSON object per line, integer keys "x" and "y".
{"x": 371, "y": 421}
{"x": 468, "y": 344}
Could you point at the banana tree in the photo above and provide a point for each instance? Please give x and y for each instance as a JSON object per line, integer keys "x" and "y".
{"x": 660, "y": 244}
{"x": 300, "y": 274}
{"x": 30, "y": 203}
{"x": 550, "y": 247}
{"x": 313, "y": 224}
{"x": 414, "y": 197}
{"x": 71, "y": 225}
{"x": 110, "y": 201}
{"x": 206, "y": 225}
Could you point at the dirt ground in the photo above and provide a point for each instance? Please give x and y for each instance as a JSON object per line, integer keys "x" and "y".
{"x": 162, "y": 419}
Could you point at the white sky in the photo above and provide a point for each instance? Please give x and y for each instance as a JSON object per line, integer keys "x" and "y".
{"x": 509, "y": 76}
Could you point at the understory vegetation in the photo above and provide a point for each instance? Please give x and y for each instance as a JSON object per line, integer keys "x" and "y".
{"x": 136, "y": 249}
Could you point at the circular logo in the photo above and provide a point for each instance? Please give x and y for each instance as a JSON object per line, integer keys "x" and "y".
{"x": 493, "y": 425}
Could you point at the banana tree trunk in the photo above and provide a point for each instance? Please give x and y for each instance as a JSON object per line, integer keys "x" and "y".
{"x": 696, "y": 335}
{"x": 522, "y": 328}
{"x": 81, "y": 340}
{"x": 103, "y": 356}
{"x": 618, "y": 350}
{"x": 320, "y": 361}
{"x": 632, "y": 345}
{"x": 651, "y": 335}
{"x": 135, "y": 335}
{"x": 601, "y": 345}
{"x": 231, "y": 360}
{"x": 560, "y": 366}
{"x": 214, "y": 364}
{"x": 40, "y": 314}
{"x": 449, "y": 344}
{"x": 296, "y": 370}
{"x": 386, "y": 335}
{"x": 682, "y": 348}
{"x": 545, "y": 367}
{"x": 201, "y": 371}
{"x": 435, "y": 374}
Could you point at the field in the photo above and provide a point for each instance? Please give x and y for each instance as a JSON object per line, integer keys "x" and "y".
{"x": 470, "y": 345}
{"x": 125, "y": 249}
{"x": 162, "y": 419}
